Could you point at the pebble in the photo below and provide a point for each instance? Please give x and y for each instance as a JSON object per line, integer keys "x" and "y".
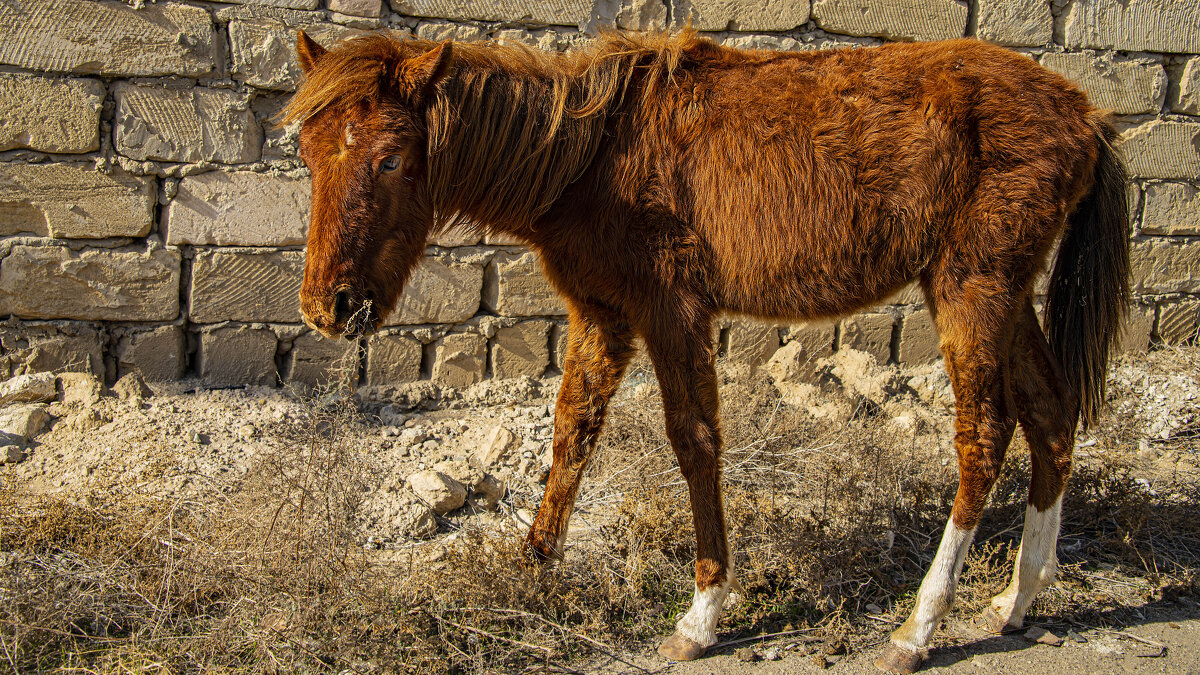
{"x": 1041, "y": 636}
{"x": 13, "y": 454}
{"x": 1076, "y": 637}
{"x": 745, "y": 654}
{"x": 771, "y": 654}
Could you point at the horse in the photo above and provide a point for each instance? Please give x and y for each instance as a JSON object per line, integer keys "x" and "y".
{"x": 663, "y": 179}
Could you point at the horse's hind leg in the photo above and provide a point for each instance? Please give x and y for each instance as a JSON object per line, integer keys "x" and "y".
{"x": 683, "y": 356}
{"x": 599, "y": 347}
{"x": 1047, "y": 410}
{"x": 975, "y": 340}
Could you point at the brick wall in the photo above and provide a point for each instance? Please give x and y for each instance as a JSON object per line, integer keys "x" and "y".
{"x": 152, "y": 218}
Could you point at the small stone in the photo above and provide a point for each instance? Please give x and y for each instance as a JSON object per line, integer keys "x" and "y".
{"x": 430, "y": 445}
{"x": 1076, "y": 637}
{"x": 442, "y": 493}
{"x": 874, "y": 609}
{"x": 417, "y": 521}
{"x": 81, "y": 389}
{"x": 247, "y": 431}
{"x": 772, "y": 654}
{"x": 23, "y": 421}
{"x": 499, "y": 443}
{"x": 1041, "y": 636}
{"x": 488, "y": 492}
{"x": 132, "y": 387}
{"x": 13, "y": 454}
{"x": 34, "y": 388}
{"x": 745, "y": 654}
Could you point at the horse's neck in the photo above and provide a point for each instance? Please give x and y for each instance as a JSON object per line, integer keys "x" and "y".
{"x": 501, "y": 167}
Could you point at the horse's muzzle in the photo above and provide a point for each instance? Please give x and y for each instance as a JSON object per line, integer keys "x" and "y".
{"x": 345, "y": 313}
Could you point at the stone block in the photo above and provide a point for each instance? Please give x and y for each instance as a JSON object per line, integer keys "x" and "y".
{"x": 50, "y": 115}
{"x": 459, "y": 360}
{"x": 909, "y": 294}
{"x": 185, "y": 125}
{"x": 318, "y": 361}
{"x": 1178, "y": 322}
{"x": 263, "y": 51}
{"x": 1127, "y": 86}
{"x": 652, "y": 14}
{"x": 439, "y": 31}
{"x": 122, "y": 284}
{"x": 282, "y": 4}
{"x": 1165, "y": 266}
{"x": 37, "y": 348}
{"x": 870, "y": 333}
{"x": 719, "y": 15}
{"x": 246, "y": 286}
{"x": 1172, "y": 209}
{"x": 918, "y": 339}
{"x": 107, "y": 38}
{"x": 514, "y": 286}
{"x": 1137, "y": 329}
{"x": 440, "y": 290}
{"x": 459, "y": 235}
{"x": 893, "y": 19}
{"x": 521, "y": 349}
{"x": 1014, "y": 23}
{"x": 159, "y": 354}
{"x": 1183, "y": 96}
{"x": 558, "y": 345}
{"x": 1130, "y": 25}
{"x": 393, "y": 359}
{"x": 557, "y": 12}
{"x": 1163, "y": 149}
{"x": 239, "y": 209}
{"x": 74, "y": 201}
{"x": 237, "y": 355}
{"x": 368, "y": 8}
{"x": 815, "y": 337}
{"x": 751, "y": 343}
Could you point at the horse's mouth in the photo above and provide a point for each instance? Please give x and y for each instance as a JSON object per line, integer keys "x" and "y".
{"x": 351, "y": 320}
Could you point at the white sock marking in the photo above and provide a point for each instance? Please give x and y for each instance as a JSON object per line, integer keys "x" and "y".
{"x": 700, "y": 623}
{"x": 1037, "y": 562}
{"x": 936, "y": 594}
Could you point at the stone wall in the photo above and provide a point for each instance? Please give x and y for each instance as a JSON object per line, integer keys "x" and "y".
{"x": 152, "y": 217}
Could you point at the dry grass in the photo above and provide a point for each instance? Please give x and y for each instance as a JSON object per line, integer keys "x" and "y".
{"x": 833, "y": 529}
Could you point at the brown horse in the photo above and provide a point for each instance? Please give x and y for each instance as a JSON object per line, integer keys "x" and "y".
{"x": 663, "y": 180}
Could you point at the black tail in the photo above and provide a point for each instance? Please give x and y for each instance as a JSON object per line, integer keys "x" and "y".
{"x": 1089, "y": 289}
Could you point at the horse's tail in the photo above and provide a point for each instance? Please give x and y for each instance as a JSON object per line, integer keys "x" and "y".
{"x": 1089, "y": 288}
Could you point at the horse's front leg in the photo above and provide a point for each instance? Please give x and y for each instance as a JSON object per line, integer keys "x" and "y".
{"x": 683, "y": 360}
{"x": 599, "y": 347}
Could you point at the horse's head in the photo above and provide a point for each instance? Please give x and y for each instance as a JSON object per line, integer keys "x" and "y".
{"x": 364, "y": 141}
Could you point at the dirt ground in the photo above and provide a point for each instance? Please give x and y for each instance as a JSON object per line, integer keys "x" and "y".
{"x": 837, "y": 485}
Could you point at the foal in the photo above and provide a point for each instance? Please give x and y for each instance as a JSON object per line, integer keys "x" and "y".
{"x": 663, "y": 180}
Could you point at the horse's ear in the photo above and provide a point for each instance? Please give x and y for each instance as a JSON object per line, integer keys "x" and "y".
{"x": 424, "y": 71}
{"x": 308, "y": 51}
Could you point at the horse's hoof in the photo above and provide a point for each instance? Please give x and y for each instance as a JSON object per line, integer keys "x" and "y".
{"x": 996, "y": 624}
{"x": 680, "y": 648}
{"x": 540, "y": 548}
{"x": 897, "y": 660}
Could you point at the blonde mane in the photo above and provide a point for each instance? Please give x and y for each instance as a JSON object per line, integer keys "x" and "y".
{"x": 510, "y": 126}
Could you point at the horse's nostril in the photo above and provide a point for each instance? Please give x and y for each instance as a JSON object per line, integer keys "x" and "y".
{"x": 341, "y": 305}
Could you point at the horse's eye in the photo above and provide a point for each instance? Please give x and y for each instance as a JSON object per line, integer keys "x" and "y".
{"x": 390, "y": 164}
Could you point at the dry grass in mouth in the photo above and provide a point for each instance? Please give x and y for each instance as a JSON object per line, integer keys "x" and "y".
{"x": 832, "y": 528}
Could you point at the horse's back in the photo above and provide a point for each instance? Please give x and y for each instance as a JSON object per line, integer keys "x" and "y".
{"x": 822, "y": 182}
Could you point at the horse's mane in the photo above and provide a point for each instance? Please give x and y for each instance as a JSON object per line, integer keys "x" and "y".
{"x": 510, "y": 126}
